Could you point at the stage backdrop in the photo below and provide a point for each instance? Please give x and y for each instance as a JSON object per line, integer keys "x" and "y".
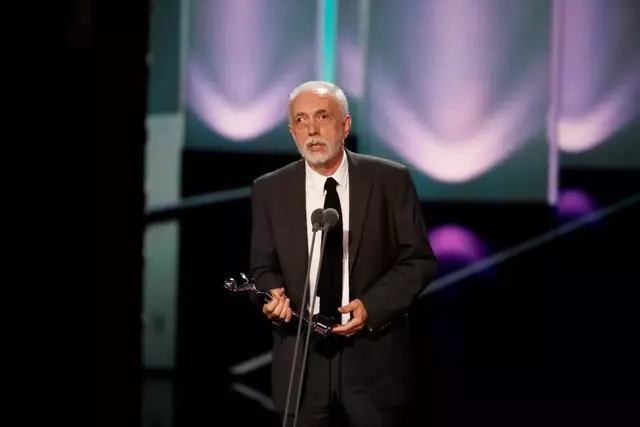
{"x": 352, "y": 35}
{"x": 165, "y": 134}
{"x": 459, "y": 91}
{"x": 474, "y": 95}
{"x": 244, "y": 58}
{"x": 598, "y": 84}
{"x": 471, "y": 94}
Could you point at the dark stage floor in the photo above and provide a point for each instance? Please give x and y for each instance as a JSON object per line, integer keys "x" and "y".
{"x": 533, "y": 339}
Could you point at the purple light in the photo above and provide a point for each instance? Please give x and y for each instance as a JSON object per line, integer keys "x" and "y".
{"x": 599, "y": 82}
{"x": 583, "y": 132}
{"x": 244, "y": 58}
{"x": 456, "y": 110}
{"x": 352, "y": 36}
{"x": 349, "y": 67}
{"x": 574, "y": 203}
{"x": 455, "y": 243}
{"x": 242, "y": 121}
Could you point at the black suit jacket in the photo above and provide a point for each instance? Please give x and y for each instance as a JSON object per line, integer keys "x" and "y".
{"x": 390, "y": 262}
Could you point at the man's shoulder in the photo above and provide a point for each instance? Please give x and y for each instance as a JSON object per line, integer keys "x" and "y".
{"x": 380, "y": 162}
{"x": 278, "y": 176}
{"x": 378, "y": 165}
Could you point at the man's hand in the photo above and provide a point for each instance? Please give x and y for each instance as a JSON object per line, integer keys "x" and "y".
{"x": 356, "y": 323}
{"x": 278, "y": 307}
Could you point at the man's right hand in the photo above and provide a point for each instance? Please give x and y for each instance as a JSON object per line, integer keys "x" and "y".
{"x": 278, "y": 307}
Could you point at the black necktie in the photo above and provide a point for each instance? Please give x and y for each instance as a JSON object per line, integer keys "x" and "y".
{"x": 330, "y": 281}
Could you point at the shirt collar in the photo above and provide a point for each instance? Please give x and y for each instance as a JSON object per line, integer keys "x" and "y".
{"x": 316, "y": 181}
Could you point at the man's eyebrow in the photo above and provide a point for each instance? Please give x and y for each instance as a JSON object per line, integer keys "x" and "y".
{"x": 320, "y": 111}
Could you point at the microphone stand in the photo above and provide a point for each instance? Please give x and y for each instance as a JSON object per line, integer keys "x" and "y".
{"x": 325, "y": 228}
{"x": 315, "y": 229}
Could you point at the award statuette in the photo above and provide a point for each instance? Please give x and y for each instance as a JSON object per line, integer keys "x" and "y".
{"x": 320, "y": 324}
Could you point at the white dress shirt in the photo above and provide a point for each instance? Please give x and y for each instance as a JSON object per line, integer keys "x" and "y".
{"x": 315, "y": 195}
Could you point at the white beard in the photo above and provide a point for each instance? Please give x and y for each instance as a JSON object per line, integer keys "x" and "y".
{"x": 319, "y": 158}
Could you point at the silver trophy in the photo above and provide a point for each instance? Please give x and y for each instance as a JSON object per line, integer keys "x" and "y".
{"x": 320, "y": 324}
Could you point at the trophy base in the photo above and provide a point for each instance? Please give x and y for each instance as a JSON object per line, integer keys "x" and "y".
{"x": 320, "y": 325}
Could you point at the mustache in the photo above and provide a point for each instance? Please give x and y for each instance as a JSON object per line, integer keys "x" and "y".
{"x": 317, "y": 141}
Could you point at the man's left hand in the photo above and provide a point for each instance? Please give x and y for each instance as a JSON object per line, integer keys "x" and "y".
{"x": 356, "y": 323}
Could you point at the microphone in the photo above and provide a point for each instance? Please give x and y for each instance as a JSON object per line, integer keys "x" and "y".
{"x": 330, "y": 218}
{"x": 317, "y": 220}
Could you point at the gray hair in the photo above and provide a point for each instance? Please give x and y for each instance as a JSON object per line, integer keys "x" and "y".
{"x": 333, "y": 89}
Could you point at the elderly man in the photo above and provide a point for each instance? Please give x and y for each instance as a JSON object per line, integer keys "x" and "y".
{"x": 377, "y": 260}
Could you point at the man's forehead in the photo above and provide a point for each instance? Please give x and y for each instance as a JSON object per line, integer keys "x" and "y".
{"x": 313, "y": 100}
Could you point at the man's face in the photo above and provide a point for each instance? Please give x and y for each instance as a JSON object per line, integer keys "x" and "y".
{"x": 317, "y": 126}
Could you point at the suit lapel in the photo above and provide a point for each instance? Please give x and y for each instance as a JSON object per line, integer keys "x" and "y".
{"x": 359, "y": 189}
{"x": 297, "y": 214}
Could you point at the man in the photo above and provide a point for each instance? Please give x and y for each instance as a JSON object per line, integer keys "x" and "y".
{"x": 377, "y": 260}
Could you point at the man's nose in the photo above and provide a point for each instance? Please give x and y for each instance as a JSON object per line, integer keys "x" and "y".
{"x": 312, "y": 129}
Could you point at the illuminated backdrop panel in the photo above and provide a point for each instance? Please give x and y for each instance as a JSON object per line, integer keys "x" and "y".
{"x": 352, "y": 29}
{"x": 599, "y": 83}
{"x": 459, "y": 90}
{"x": 244, "y": 58}
{"x": 475, "y": 96}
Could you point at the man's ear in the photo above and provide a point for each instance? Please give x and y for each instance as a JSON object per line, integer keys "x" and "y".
{"x": 346, "y": 126}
